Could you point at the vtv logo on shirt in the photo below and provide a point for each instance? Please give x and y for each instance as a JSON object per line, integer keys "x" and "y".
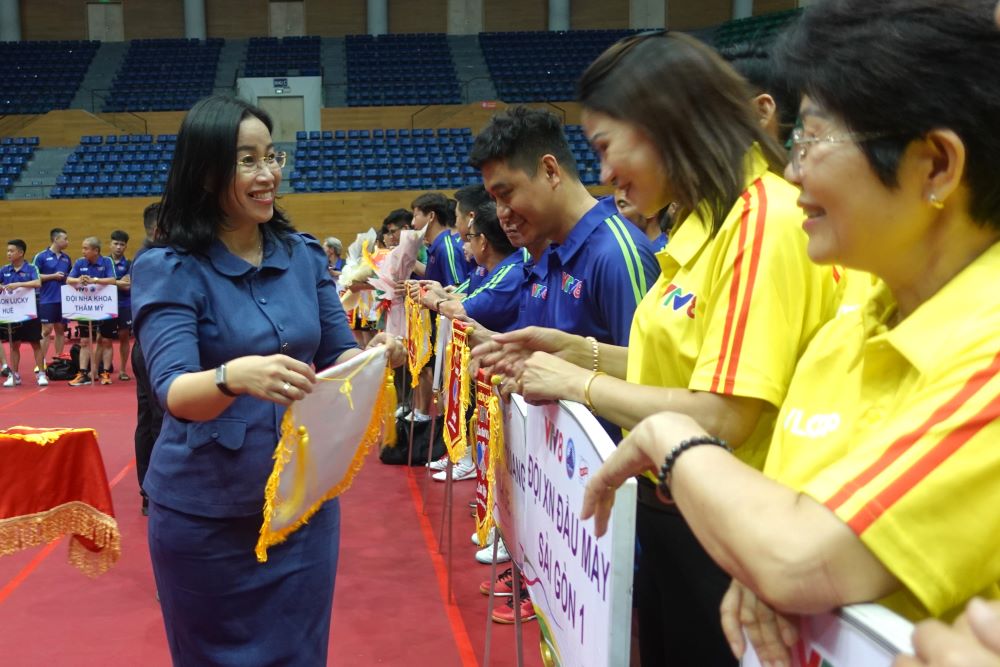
{"x": 539, "y": 291}
{"x": 676, "y": 298}
{"x": 814, "y": 426}
{"x": 571, "y": 285}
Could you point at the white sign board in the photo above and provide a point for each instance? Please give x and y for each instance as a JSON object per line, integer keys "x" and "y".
{"x": 864, "y": 634}
{"x": 18, "y": 305}
{"x": 89, "y": 302}
{"x": 581, "y": 586}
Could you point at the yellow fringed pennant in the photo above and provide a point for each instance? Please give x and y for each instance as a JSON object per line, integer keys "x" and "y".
{"x": 418, "y": 338}
{"x": 489, "y": 441}
{"x": 456, "y": 390}
{"x": 324, "y": 440}
{"x": 390, "y": 404}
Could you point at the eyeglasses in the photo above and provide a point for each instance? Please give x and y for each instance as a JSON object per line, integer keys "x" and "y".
{"x": 248, "y": 164}
{"x": 471, "y": 235}
{"x": 801, "y": 143}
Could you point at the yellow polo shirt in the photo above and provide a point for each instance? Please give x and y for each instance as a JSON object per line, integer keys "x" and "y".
{"x": 897, "y": 432}
{"x": 733, "y": 313}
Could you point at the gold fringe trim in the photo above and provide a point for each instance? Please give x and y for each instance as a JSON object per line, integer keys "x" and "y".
{"x": 283, "y": 454}
{"x": 418, "y": 332}
{"x": 389, "y": 416}
{"x": 74, "y": 518}
{"x": 42, "y": 436}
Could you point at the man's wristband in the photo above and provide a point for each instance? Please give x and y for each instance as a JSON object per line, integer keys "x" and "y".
{"x": 220, "y": 381}
{"x": 663, "y": 487}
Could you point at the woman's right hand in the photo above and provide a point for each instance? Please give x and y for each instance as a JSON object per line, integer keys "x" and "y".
{"x": 277, "y": 378}
{"x": 506, "y": 353}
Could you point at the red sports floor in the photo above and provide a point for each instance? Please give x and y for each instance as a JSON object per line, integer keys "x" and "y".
{"x": 390, "y": 606}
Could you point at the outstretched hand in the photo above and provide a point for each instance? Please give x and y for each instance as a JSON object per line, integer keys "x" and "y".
{"x": 277, "y": 378}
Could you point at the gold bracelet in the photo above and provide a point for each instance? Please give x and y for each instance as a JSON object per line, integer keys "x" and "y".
{"x": 586, "y": 390}
{"x": 596, "y": 351}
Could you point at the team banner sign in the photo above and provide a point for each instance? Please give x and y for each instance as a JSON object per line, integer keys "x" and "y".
{"x": 581, "y": 585}
{"x": 488, "y": 422}
{"x": 418, "y": 338}
{"x": 18, "y": 305}
{"x": 863, "y": 634}
{"x": 89, "y": 302}
{"x": 324, "y": 440}
{"x": 456, "y": 390}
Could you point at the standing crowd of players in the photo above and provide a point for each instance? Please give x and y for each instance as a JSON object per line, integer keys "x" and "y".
{"x": 46, "y": 274}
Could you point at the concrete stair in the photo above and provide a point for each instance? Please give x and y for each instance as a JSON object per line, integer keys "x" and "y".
{"x": 96, "y": 84}
{"x": 333, "y": 58}
{"x": 470, "y": 67}
{"x": 40, "y": 174}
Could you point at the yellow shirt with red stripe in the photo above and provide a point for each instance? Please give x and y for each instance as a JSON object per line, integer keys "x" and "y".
{"x": 897, "y": 432}
{"x": 731, "y": 314}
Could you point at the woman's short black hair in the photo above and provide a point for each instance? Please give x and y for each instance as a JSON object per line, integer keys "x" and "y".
{"x": 203, "y": 167}
{"x": 755, "y": 64}
{"x": 904, "y": 68}
{"x": 485, "y": 222}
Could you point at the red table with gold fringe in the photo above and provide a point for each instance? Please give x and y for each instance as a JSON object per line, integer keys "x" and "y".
{"x": 52, "y": 483}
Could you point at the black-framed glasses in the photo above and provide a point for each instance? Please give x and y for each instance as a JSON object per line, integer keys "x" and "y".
{"x": 471, "y": 235}
{"x": 248, "y": 164}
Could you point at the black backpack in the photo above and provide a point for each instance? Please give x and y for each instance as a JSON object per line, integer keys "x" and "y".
{"x": 62, "y": 369}
{"x": 421, "y": 436}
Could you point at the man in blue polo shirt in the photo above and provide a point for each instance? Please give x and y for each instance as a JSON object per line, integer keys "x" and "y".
{"x": 123, "y": 278}
{"x": 445, "y": 262}
{"x": 94, "y": 269}
{"x": 599, "y": 266}
{"x": 17, "y": 274}
{"x": 53, "y": 266}
{"x": 468, "y": 199}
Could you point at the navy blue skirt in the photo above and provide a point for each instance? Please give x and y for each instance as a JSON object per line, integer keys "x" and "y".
{"x": 221, "y": 607}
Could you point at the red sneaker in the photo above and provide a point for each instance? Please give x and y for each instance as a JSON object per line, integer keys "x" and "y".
{"x": 505, "y": 613}
{"x": 503, "y": 585}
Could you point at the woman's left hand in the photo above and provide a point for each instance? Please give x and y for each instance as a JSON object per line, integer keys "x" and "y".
{"x": 546, "y": 377}
{"x": 395, "y": 352}
{"x": 771, "y": 633}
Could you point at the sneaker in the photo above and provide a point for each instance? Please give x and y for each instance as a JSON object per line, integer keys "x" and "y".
{"x": 105, "y": 378}
{"x": 505, "y": 612}
{"x": 440, "y": 464}
{"x": 463, "y": 470}
{"x": 5, "y": 371}
{"x": 485, "y": 555}
{"x": 417, "y": 417}
{"x": 81, "y": 379}
{"x": 43, "y": 380}
{"x": 12, "y": 380}
{"x": 402, "y": 410}
{"x": 124, "y": 377}
{"x": 503, "y": 585}
{"x": 489, "y": 538}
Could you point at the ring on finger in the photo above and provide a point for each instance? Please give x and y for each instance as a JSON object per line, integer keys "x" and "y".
{"x": 285, "y": 387}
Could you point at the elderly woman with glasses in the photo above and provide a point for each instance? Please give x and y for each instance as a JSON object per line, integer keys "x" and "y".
{"x": 881, "y": 481}
{"x": 233, "y": 309}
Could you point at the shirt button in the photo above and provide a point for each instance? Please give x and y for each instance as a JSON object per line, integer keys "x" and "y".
{"x": 284, "y": 346}
{"x": 281, "y": 327}
{"x": 215, "y": 435}
{"x": 262, "y": 300}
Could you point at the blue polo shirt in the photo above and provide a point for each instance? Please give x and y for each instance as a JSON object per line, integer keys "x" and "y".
{"x": 102, "y": 268}
{"x": 660, "y": 242}
{"x": 470, "y": 264}
{"x": 472, "y": 281}
{"x": 48, "y": 262}
{"x": 122, "y": 268}
{"x": 445, "y": 262}
{"x": 534, "y": 292}
{"x": 26, "y": 273}
{"x": 596, "y": 278}
{"x": 496, "y": 302}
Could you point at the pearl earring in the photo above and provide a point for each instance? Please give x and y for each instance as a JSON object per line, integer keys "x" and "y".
{"x": 935, "y": 202}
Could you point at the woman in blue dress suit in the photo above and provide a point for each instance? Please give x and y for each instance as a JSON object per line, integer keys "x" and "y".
{"x": 234, "y": 309}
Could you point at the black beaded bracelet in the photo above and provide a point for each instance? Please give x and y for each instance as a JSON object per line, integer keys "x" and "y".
{"x": 663, "y": 487}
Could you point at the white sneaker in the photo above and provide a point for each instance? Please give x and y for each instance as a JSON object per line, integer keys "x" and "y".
{"x": 440, "y": 464}
{"x": 43, "y": 380}
{"x": 485, "y": 555}
{"x": 462, "y": 471}
{"x": 489, "y": 538}
{"x": 402, "y": 410}
{"x": 12, "y": 380}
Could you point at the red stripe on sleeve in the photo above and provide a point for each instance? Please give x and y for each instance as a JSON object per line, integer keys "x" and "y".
{"x": 976, "y": 382}
{"x": 734, "y": 291}
{"x": 927, "y": 463}
{"x": 741, "y": 324}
